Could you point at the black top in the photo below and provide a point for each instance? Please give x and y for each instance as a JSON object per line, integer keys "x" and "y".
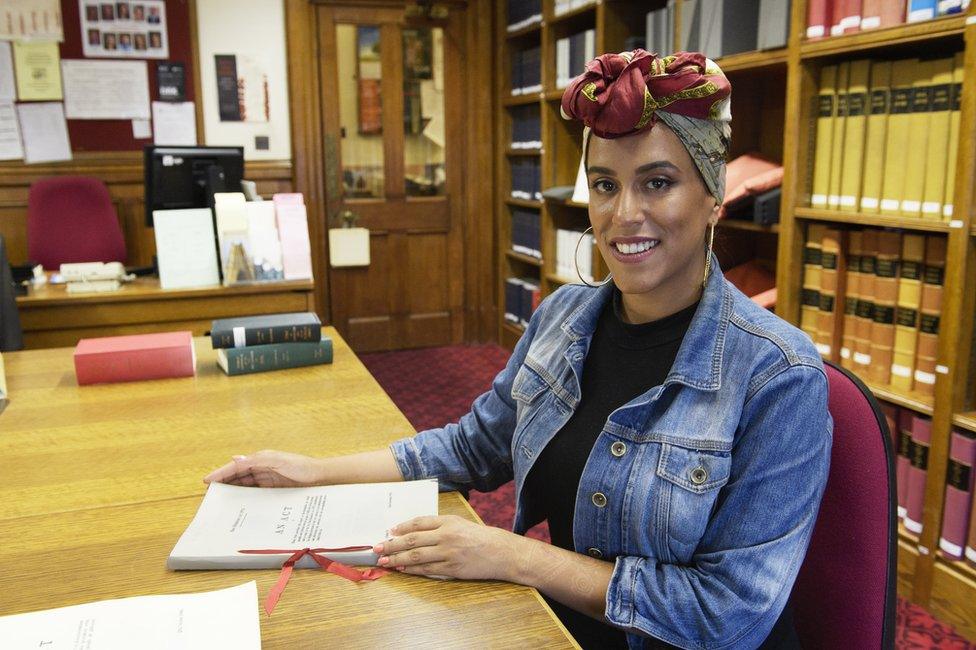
{"x": 624, "y": 361}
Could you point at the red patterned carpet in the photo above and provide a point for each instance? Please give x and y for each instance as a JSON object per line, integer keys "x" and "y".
{"x": 437, "y": 385}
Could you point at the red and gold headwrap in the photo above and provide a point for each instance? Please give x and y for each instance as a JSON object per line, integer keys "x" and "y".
{"x": 622, "y": 94}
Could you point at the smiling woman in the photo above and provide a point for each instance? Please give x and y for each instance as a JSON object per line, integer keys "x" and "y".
{"x": 674, "y": 434}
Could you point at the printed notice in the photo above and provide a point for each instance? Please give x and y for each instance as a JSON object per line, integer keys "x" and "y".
{"x": 8, "y": 84}
{"x": 174, "y": 124}
{"x": 24, "y": 20}
{"x": 44, "y": 131}
{"x": 105, "y": 90}
{"x": 10, "y": 147}
{"x": 38, "y": 72}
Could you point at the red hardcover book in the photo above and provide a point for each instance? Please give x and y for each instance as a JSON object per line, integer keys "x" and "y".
{"x": 921, "y": 436}
{"x": 882, "y": 13}
{"x": 959, "y": 492}
{"x": 850, "y": 16}
{"x": 819, "y": 15}
{"x": 904, "y": 459}
{"x": 134, "y": 358}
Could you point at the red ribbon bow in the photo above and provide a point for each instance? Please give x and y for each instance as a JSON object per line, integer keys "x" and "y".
{"x": 327, "y": 564}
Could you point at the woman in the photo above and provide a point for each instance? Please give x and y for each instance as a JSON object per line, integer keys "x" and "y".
{"x": 674, "y": 434}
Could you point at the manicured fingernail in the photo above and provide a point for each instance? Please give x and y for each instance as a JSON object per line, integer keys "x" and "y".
{"x": 383, "y": 560}
{"x": 378, "y": 548}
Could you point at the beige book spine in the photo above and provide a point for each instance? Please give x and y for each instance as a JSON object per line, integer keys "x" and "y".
{"x": 896, "y": 139}
{"x": 918, "y": 137}
{"x": 940, "y": 117}
{"x": 875, "y": 139}
{"x": 906, "y": 313}
{"x": 826, "y": 111}
{"x": 854, "y": 132}
{"x": 837, "y": 137}
{"x": 955, "y": 117}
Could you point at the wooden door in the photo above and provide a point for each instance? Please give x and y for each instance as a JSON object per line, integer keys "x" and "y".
{"x": 389, "y": 79}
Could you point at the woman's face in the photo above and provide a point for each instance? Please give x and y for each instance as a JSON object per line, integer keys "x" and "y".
{"x": 649, "y": 209}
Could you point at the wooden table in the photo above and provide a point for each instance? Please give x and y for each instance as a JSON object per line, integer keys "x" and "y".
{"x": 52, "y": 317}
{"x": 98, "y": 483}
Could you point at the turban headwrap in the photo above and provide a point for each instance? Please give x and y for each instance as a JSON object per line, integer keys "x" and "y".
{"x": 622, "y": 94}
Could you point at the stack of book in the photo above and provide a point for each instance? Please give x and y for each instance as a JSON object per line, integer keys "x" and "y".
{"x": 562, "y": 6}
{"x": 878, "y": 292}
{"x": 522, "y": 297}
{"x": 887, "y": 137}
{"x": 272, "y": 342}
{"x": 522, "y": 13}
{"x": 527, "y": 70}
{"x": 660, "y": 30}
{"x": 566, "y": 244}
{"x": 526, "y": 235}
{"x": 526, "y": 127}
{"x": 572, "y": 55}
{"x": 527, "y": 179}
{"x": 836, "y": 17}
{"x": 720, "y": 28}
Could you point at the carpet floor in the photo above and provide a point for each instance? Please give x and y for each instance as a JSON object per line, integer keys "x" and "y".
{"x": 434, "y": 386}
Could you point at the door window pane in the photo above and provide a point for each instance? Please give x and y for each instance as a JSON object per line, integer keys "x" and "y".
{"x": 423, "y": 111}
{"x": 360, "y": 110}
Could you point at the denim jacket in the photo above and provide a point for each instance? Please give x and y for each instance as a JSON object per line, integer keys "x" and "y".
{"x": 703, "y": 491}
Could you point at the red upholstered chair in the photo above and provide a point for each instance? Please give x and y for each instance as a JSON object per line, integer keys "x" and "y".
{"x": 844, "y": 596}
{"x": 72, "y": 219}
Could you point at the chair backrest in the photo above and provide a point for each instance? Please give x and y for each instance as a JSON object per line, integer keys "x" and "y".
{"x": 844, "y": 596}
{"x": 72, "y": 219}
{"x": 11, "y": 335}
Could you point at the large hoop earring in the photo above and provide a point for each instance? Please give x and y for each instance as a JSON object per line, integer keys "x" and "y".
{"x": 708, "y": 256}
{"x": 576, "y": 263}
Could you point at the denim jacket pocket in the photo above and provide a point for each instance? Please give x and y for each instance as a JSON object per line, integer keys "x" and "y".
{"x": 692, "y": 479}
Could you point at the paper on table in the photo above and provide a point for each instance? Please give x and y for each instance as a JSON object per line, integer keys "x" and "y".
{"x": 233, "y": 518}
{"x": 38, "y": 72}
{"x": 105, "y": 90}
{"x": 10, "y": 147}
{"x": 174, "y": 124}
{"x": 44, "y": 132}
{"x": 225, "y": 618}
{"x": 185, "y": 248}
{"x": 8, "y": 87}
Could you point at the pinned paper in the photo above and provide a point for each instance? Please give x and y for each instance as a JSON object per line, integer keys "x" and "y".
{"x": 105, "y": 90}
{"x": 8, "y": 83}
{"x": 141, "y": 130}
{"x": 348, "y": 247}
{"x": 10, "y": 147}
{"x": 38, "y": 71}
{"x": 174, "y": 123}
{"x": 44, "y": 131}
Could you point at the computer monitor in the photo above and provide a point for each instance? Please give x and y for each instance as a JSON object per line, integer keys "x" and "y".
{"x": 187, "y": 177}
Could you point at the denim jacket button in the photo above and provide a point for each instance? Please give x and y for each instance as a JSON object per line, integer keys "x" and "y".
{"x": 594, "y": 552}
{"x": 618, "y": 449}
{"x": 699, "y": 475}
{"x": 599, "y": 499}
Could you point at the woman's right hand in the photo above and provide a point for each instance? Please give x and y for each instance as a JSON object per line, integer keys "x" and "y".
{"x": 270, "y": 468}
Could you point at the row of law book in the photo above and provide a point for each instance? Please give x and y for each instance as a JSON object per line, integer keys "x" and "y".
{"x": 720, "y": 28}
{"x": 572, "y": 55}
{"x": 569, "y": 259}
{"x": 522, "y": 13}
{"x": 522, "y": 297}
{"x": 527, "y": 179}
{"x": 526, "y": 70}
{"x": 911, "y": 437}
{"x": 244, "y": 345}
{"x": 526, "y": 127}
{"x": 659, "y": 29}
{"x": 887, "y": 137}
{"x": 836, "y": 17}
{"x": 526, "y": 233}
{"x": 877, "y": 293}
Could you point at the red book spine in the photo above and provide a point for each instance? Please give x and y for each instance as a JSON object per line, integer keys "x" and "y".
{"x": 892, "y": 12}
{"x": 959, "y": 492}
{"x": 135, "y": 365}
{"x": 921, "y": 436}
{"x": 850, "y": 20}
{"x": 819, "y": 13}
{"x": 904, "y": 460}
{"x": 871, "y": 14}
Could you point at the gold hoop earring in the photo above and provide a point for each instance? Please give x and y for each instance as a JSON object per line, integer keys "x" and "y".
{"x": 576, "y": 263}
{"x": 708, "y": 256}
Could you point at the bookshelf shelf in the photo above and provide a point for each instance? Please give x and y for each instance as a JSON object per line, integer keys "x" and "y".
{"x": 523, "y": 203}
{"x": 523, "y": 32}
{"x": 560, "y": 280}
{"x": 913, "y": 401}
{"x": 554, "y": 94}
{"x": 748, "y": 226}
{"x": 573, "y": 15}
{"x": 879, "y": 220}
{"x": 524, "y": 259}
{"x": 520, "y": 100}
{"x": 928, "y": 30}
{"x": 523, "y": 152}
{"x": 753, "y": 60}
{"x": 965, "y": 420}
{"x": 906, "y": 536}
{"x": 958, "y": 567}
{"x": 512, "y": 328}
{"x": 567, "y": 203}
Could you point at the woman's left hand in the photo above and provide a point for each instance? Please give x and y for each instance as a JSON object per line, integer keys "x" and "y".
{"x": 449, "y": 546}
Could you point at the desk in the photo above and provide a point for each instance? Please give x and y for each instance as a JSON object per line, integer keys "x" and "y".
{"x": 100, "y": 481}
{"x": 52, "y": 317}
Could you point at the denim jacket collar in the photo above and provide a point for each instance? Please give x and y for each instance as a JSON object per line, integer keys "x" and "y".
{"x": 699, "y": 360}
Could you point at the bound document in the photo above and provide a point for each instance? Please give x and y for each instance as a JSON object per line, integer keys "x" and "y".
{"x": 226, "y": 618}
{"x": 236, "y": 527}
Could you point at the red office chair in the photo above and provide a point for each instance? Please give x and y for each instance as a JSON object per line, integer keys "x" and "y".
{"x": 844, "y": 596}
{"x": 72, "y": 219}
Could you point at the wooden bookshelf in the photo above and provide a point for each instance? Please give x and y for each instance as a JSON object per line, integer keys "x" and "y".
{"x": 524, "y": 259}
{"x": 520, "y": 100}
{"x": 523, "y": 152}
{"x": 772, "y": 107}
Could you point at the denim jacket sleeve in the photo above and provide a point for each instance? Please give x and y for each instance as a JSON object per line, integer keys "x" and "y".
{"x": 740, "y": 577}
{"x": 475, "y": 452}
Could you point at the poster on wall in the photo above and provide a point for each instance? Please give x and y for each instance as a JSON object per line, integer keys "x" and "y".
{"x": 242, "y": 89}
{"x": 31, "y": 20}
{"x": 124, "y": 30}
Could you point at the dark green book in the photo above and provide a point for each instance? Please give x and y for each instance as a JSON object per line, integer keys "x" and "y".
{"x": 277, "y": 356}
{"x": 300, "y": 327}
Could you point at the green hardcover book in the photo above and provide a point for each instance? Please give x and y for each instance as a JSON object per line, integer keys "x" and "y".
{"x": 277, "y": 356}
{"x": 242, "y": 332}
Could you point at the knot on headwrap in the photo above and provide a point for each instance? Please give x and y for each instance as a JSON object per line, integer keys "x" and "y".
{"x": 621, "y": 94}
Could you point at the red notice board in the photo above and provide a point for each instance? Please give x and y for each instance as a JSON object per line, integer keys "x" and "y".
{"x": 116, "y": 135}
